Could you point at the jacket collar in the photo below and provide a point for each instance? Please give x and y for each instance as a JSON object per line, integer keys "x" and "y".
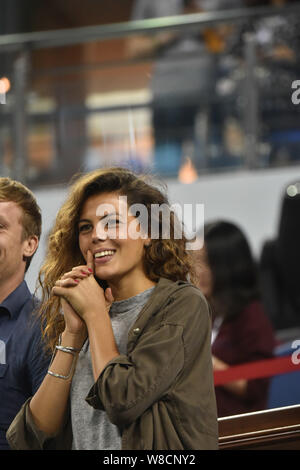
{"x": 161, "y": 295}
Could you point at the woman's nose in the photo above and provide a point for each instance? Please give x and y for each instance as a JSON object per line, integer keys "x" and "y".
{"x": 99, "y": 232}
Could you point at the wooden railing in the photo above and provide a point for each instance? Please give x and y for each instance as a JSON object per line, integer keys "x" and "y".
{"x": 274, "y": 429}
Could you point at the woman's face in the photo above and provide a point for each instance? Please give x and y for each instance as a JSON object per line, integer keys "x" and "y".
{"x": 204, "y": 277}
{"x": 106, "y": 228}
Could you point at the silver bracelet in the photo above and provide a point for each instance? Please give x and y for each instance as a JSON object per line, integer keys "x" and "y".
{"x": 70, "y": 350}
{"x": 59, "y": 376}
{"x": 67, "y": 349}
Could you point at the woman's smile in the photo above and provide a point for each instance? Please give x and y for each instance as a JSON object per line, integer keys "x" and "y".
{"x": 103, "y": 256}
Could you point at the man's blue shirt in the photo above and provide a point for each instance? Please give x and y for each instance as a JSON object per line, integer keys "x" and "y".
{"x": 23, "y": 363}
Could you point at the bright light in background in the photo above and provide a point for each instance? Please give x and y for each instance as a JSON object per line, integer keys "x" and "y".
{"x": 293, "y": 190}
{"x": 187, "y": 173}
{"x": 4, "y": 85}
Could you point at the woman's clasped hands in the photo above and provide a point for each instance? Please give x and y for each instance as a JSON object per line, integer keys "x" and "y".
{"x": 82, "y": 292}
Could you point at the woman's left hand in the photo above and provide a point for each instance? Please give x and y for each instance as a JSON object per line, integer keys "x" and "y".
{"x": 81, "y": 290}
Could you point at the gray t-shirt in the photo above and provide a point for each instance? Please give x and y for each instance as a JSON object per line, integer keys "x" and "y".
{"x": 91, "y": 428}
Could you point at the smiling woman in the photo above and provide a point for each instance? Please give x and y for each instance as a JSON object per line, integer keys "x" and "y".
{"x": 77, "y": 221}
{"x": 118, "y": 258}
{"x": 129, "y": 357}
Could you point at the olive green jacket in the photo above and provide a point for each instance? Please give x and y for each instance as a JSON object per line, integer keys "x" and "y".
{"x": 161, "y": 394}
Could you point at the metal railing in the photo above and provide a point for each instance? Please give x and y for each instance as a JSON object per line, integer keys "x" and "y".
{"x": 68, "y": 37}
{"x": 21, "y": 46}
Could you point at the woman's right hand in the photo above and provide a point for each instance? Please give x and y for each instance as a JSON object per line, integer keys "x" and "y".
{"x": 75, "y": 328}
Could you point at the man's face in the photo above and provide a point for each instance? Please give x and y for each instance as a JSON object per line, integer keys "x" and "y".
{"x": 12, "y": 245}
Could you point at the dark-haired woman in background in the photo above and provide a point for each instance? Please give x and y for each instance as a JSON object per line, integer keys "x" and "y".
{"x": 242, "y": 333}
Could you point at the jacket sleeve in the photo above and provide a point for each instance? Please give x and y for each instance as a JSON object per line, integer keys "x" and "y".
{"x": 130, "y": 384}
{"x": 23, "y": 434}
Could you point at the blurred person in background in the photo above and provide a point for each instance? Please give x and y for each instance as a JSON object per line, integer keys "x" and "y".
{"x": 277, "y": 42}
{"x": 183, "y": 78}
{"x": 227, "y": 276}
{"x": 279, "y": 265}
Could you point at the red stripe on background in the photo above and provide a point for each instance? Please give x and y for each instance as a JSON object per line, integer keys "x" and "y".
{"x": 256, "y": 370}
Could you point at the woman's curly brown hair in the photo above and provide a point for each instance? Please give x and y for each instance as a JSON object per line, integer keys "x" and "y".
{"x": 165, "y": 256}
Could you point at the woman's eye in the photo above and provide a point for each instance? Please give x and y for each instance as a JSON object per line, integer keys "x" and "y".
{"x": 112, "y": 222}
{"x": 84, "y": 228}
